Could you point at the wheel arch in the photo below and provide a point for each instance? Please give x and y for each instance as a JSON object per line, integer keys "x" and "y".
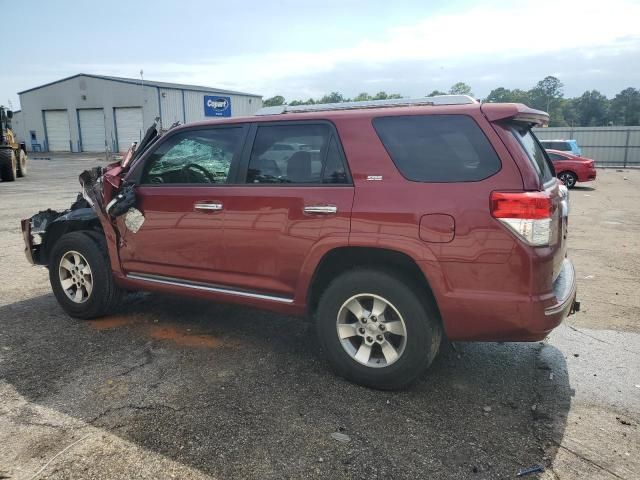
{"x": 82, "y": 219}
{"x": 341, "y": 259}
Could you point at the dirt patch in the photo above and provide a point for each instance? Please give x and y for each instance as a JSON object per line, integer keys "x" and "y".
{"x": 183, "y": 337}
{"x": 114, "y": 389}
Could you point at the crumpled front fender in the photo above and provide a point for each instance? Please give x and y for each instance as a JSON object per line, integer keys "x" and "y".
{"x": 92, "y": 191}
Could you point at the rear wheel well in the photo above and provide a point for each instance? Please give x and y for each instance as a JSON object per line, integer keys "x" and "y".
{"x": 343, "y": 259}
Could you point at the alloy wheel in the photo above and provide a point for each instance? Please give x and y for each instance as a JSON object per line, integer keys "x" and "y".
{"x": 75, "y": 276}
{"x": 371, "y": 330}
{"x": 567, "y": 179}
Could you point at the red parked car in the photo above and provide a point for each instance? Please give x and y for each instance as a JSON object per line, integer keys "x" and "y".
{"x": 399, "y": 222}
{"x": 572, "y": 169}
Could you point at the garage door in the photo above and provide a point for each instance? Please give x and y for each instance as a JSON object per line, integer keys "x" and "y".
{"x": 92, "y": 129}
{"x": 57, "y": 125}
{"x": 128, "y": 127}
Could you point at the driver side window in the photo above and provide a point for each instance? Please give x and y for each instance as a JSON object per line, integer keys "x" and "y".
{"x": 194, "y": 157}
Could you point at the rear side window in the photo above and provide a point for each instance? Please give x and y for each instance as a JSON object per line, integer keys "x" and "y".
{"x": 333, "y": 170}
{"x": 534, "y": 151}
{"x": 298, "y": 154}
{"x": 438, "y": 148}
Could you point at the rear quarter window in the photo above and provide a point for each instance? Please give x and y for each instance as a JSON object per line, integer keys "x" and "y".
{"x": 438, "y": 148}
{"x": 534, "y": 151}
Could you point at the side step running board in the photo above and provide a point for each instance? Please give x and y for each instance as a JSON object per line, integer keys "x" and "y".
{"x": 207, "y": 287}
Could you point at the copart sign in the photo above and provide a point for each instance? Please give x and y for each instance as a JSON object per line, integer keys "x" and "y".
{"x": 215, "y": 106}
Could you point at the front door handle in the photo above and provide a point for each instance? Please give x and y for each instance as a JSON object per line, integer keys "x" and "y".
{"x": 321, "y": 209}
{"x": 207, "y": 206}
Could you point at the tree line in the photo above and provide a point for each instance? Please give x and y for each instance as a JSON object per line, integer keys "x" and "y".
{"x": 590, "y": 109}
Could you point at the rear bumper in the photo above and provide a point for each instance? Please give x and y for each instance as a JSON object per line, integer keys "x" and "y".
{"x": 587, "y": 176}
{"x": 564, "y": 289}
{"x": 491, "y": 316}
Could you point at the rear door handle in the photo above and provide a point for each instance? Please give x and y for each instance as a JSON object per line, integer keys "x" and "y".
{"x": 207, "y": 206}
{"x": 321, "y": 209}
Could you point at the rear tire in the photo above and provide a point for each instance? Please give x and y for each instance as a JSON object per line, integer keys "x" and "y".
{"x": 8, "y": 167}
{"x": 22, "y": 164}
{"x": 397, "y": 342}
{"x": 81, "y": 277}
{"x": 568, "y": 178}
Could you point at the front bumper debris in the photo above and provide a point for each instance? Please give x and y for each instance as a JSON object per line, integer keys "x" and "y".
{"x": 33, "y": 231}
{"x": 25, "y": 224}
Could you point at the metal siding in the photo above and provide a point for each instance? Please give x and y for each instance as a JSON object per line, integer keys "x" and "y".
{"x": 170, "y": 106}
{"x": 89, "y": 91}
{"x": 634, "y": 137}
{"x": 608, "y": 146}
{"x": 136, "y": 81}
{"x": 128, "y": 126}
{"x": 17, "y": 125}
{"x": 194, "y": 106}
{"x": 92, "y": 129}
{"x": 58, "y": 133}
{"x": 633, "y": 157}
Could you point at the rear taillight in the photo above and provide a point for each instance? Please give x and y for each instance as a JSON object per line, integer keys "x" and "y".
{"x": 527, "y": 214}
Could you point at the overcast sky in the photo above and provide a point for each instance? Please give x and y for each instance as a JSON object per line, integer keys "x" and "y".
{"x": 302, "y": 49}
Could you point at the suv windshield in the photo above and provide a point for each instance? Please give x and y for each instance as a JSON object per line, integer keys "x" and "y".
{"x": 534, "y": 151}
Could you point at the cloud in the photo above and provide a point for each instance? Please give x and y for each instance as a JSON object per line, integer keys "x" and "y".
{"x": 480, "y": 45}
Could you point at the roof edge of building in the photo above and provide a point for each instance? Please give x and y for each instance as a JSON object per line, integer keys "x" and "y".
{"x": 152, "y": 83}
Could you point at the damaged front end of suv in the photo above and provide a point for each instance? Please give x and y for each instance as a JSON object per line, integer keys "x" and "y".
{"x": 104, "y": 197}
{"x": 42, "y": 230}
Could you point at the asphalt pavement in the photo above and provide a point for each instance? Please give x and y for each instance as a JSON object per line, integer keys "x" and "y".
{"x": 169, "y": 387}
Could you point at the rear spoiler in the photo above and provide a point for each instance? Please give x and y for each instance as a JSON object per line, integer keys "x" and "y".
{"x": 517, "y": 112}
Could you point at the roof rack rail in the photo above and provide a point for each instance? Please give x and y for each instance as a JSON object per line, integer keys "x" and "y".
{"x": 393, "y": 102}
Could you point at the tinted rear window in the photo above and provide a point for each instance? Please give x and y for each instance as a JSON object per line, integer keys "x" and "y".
{"x": 438, "y": 148}
{"x": 534, "y": 151}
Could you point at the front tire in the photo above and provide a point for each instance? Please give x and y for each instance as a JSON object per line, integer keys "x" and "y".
{"x": 80, "y": 275}
{"x": 8, "y": 166}
{"x": 568, "y": 178}
{"x": 376, "y": 330}
{"x": 22, "y": 164}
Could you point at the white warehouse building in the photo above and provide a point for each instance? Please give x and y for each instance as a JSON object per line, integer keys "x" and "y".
{"x": 94, "y": 113}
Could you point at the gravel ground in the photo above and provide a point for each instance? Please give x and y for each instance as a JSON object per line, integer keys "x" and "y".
{"x": 175, "y": 388}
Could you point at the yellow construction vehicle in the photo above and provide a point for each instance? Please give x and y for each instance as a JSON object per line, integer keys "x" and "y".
{"x": 13, "y": 156}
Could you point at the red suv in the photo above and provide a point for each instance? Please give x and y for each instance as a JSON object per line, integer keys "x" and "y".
{"x": 572, "y": 169}
{"x": 391, "y": 223}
